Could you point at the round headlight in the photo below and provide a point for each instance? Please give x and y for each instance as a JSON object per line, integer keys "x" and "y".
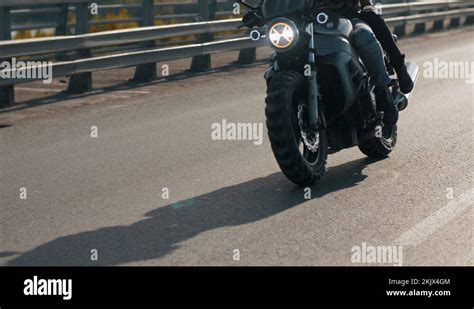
{"x": 282, "y": 34}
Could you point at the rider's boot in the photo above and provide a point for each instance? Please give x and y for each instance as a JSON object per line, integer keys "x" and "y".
{"x": 404, "y": 79}
{"x": 386, "y": 104}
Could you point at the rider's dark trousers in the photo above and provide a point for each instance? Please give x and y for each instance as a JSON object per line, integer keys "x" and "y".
{"x": 384, "y": 35}
{"x": 371, "y": 53}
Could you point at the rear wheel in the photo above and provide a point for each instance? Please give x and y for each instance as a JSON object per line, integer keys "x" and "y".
{"x": 301, "y": 155}
{"x": 382, "y": 144}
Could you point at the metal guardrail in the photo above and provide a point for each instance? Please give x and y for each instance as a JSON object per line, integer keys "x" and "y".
{"x": 149, "y": 54}
{"x": 66, "y": 7}
{"x": 107, "y": 38}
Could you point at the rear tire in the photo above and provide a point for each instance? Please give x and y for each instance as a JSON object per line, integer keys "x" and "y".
{"x": 286, "y": 90}
{"x": 380, "y": 147}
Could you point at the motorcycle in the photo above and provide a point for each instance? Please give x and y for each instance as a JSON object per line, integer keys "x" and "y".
{"x": 320, "y": 99}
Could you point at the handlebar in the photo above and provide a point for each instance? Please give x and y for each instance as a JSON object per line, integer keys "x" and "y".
{"x": 250, "y": 23}
{"x": 255, "y": 20}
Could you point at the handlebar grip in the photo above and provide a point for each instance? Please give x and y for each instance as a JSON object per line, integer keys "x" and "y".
{"x": 251, "y": 22}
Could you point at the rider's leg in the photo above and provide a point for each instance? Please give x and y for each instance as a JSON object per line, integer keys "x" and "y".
{"x": 385, "y": 37}
{"x": 372, "y": 56}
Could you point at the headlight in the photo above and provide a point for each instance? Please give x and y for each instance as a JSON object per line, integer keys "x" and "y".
{"x": 282, "y": 33}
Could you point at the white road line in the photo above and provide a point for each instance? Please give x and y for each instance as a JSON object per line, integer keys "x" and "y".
{"x": 38, "y": 89}
{"x": 424, "y": 229}
{"x": 98, "y": 91}
{"x": 134, "y": 91}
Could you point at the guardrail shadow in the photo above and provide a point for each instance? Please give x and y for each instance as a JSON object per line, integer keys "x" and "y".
{"x": 165, "y": 227}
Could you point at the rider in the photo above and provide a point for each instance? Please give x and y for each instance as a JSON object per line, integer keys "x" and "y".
{"x": 383, "y": 34}
{"x": 369, "y": 49}
{"x": 365, "y": 11}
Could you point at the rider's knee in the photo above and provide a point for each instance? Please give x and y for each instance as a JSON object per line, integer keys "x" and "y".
{"x": 362, "y": 35}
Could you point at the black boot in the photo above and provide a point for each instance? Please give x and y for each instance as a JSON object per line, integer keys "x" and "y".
{"x": 404, "y": 79}
{"x": 386, "y": 104}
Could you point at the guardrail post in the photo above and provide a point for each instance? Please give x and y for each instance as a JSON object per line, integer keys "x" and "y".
{"x": 400, "y": 30}
{"x": 206, "y": 12}
{"x": 420, "y": 28}
{"x": 248, "y": 55}
{"x": 147, "y": 72}
{"x": 438, "y": 25}
{"x": 81, "y": 82}
{"x": 469, "y": 20}
{"x": 7, "y": 93}
{"x": 455, "y": 22}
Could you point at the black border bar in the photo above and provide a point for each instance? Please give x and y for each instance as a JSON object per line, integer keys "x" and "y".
{"x": 241, "y": 285}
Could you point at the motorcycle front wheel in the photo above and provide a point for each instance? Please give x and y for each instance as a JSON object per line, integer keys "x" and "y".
{"x": 301, "y": 158}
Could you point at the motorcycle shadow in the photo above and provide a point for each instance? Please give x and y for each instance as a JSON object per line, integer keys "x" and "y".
{"x": 164, "y": 228}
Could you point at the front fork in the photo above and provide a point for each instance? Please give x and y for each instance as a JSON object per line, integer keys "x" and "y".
{"x": 314, "y": 119}
{"x": 313, "y": 108}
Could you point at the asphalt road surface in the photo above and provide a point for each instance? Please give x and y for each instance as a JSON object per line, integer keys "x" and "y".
{"x": 99, "y": 201}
